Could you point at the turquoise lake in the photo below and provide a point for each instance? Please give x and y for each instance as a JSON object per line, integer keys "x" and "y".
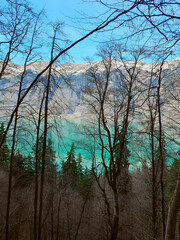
{"x": 86, "y": 140}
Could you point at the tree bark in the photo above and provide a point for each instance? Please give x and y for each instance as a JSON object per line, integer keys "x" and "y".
{"x": 173, "y": 213}
{"x": 37, "y": 166}
{"x": 114, "y": 230}
{"x": 161, "y": 152}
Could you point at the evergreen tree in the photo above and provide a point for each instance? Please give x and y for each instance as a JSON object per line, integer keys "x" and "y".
{"x": 70, "y": 167}
{"x": 23, "y": 170}
{"x": 4, "y": 150}
{"x": 73, "y": 173}
{"x": 51, "y": 164}
{"x": 86, "y": 180}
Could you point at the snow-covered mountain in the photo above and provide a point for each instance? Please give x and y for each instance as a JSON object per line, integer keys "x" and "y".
{"x": 69, "y": 83}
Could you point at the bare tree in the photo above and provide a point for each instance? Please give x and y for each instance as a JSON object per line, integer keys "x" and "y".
{"x": 56, "y": 28}
{"x": 161, "y": 152}
{"x": 111, "y": 105}
{"x": 15, "y": 124}
{"x": 37, "y": 167}
{"x": 173, "y": 213}
{"x": 16, "y": 22}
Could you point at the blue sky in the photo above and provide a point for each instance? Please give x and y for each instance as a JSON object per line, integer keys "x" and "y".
{"x": 68, "y": 11}
{"x": 76, "y": 17}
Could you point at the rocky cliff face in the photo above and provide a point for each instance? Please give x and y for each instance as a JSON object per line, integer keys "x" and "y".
{"x": 69, "y": 83}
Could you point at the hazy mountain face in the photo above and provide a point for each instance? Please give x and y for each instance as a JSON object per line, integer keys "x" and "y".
{"x": 69, "y": 84}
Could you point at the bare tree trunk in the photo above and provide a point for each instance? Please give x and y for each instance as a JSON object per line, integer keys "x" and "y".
{"x": 161, "y": 154}
{"x": 173, "y": 213}
{"x": 10, "y": 180}
{"x": 57, "y": 227}
{"x": 52, "y": 222}
{"x": 153, "y": 163}
{"x": 68, "y": 224}
{"x": 14, "y": 136}
{"x": 114, "y": 229}
{"x": 44, "y": 141}
{"x": 52, "y": 207}
{"x": 154, "y": 203}
{"x": 115, "y": 224}
{"x": 81, "y": 215}
{"x": 37, "y": 165}
{"x": 43, "y": 160}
